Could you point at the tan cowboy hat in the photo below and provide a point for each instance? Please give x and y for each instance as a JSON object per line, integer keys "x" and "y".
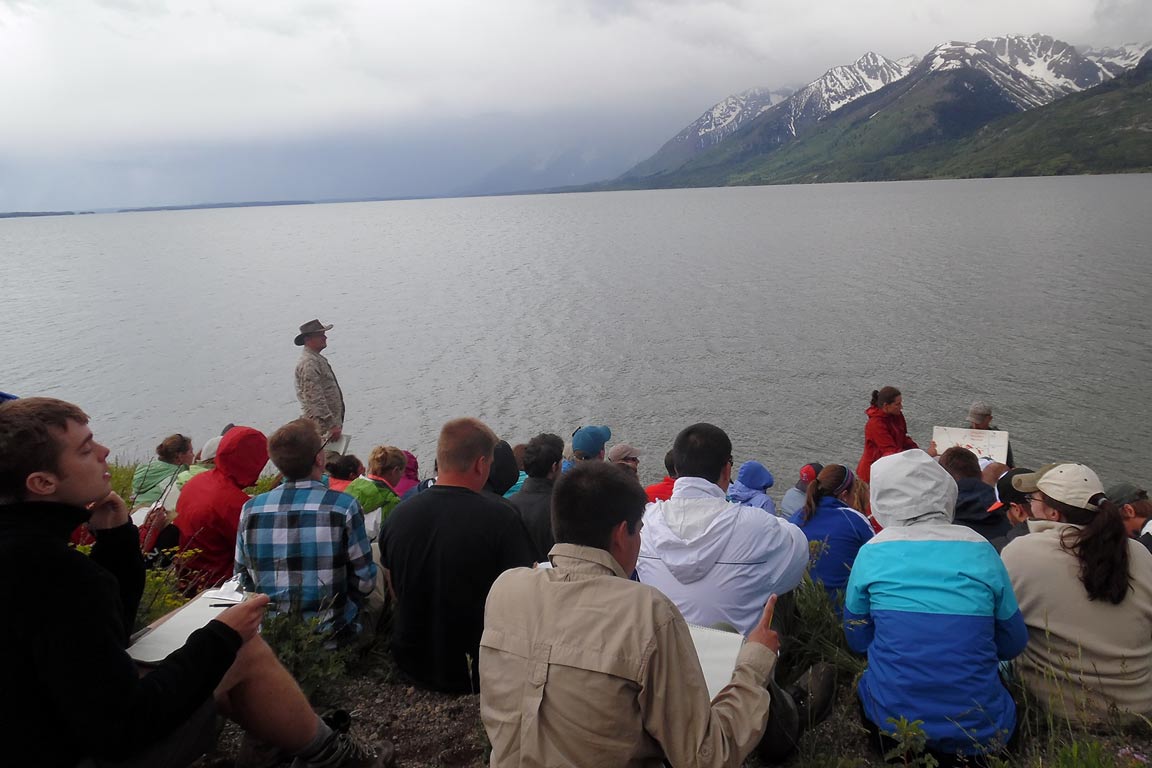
{"x": 310, "y": 327}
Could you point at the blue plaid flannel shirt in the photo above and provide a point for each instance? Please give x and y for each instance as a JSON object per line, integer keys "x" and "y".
{"x": 305, "y": 547}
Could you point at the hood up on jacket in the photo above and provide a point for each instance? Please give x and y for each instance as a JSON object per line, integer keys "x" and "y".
{"x": 689, "y": 531}
{"x": 242, "y": 456}
{"x": 503, "y": 474}
{"x": 911, "y": 488}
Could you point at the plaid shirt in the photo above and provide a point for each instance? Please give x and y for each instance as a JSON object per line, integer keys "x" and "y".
{"x": 304, "y": 546}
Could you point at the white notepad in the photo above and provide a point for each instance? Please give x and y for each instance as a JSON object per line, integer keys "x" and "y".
{"x": 155, "y": 644}
{"x": 717, "y": 651}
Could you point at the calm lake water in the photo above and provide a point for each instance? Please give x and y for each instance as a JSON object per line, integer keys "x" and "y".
{"x": 770, "y": 311}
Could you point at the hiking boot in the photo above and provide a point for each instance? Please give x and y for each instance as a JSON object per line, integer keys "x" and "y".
{"x": 783, "y": 728}
{"x": 814, "y": 694}
{"x": 343, "y": 751}
{"x": 338, "y": 720}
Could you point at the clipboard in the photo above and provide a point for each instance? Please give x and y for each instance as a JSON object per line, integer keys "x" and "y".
{"x": 170, "y": 632}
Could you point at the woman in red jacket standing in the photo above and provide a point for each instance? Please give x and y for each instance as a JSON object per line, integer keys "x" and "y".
{"x": 886, "y": 431}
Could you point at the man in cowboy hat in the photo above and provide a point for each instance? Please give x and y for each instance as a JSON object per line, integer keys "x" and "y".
{"x": 316, "y": 386}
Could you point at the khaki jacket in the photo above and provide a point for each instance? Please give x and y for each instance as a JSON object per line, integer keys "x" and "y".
{"x": 1084, "y": 657}
{"x": 318, "y": 391}
{"x": 580, "y": 666}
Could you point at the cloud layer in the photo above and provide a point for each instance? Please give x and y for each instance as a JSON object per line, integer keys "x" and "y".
{"x": 150, "y": 75}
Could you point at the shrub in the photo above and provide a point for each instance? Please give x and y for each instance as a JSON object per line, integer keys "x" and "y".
{"x": 306, "y": 651}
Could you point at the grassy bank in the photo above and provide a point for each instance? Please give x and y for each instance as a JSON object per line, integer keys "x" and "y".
{"x": 431, "y": 729}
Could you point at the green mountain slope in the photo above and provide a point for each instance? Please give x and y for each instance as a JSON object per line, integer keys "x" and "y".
{"x": 941, "y": 124}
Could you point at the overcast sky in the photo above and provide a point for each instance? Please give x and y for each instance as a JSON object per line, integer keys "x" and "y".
{"x": 135, "y": 102}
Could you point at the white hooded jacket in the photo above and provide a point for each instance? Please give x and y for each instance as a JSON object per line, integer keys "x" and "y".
{"x": 718, "y": 561}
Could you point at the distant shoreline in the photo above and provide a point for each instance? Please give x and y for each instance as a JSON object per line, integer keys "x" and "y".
{"x": 200, "y": 206}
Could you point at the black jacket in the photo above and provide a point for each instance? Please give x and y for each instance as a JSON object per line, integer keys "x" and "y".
{"x": 534, "y": 503}
{"x": 70, "y": 691}
{"x": 972, "y": 502}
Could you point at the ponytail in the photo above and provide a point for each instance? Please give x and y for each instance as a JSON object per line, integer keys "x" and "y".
{"x": 1101, "y": 546}
{"x": 875, "y": 398}
{"x": 833, "y": 480}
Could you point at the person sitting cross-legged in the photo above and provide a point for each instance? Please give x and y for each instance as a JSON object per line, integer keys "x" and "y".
{"x": 581, "y": 666}
{"x": 304, "y": 545}
{"x": 53, "y": 476}
{"x": 933, "y": 607}
{"x": 444, "y": 547}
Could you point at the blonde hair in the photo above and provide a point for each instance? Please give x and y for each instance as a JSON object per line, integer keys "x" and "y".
{"x": 385, "y": 458}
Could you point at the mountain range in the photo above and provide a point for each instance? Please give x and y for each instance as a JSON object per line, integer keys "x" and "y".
{"x": 868, "y": 119}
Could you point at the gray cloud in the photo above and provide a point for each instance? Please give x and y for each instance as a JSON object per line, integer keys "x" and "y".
{"x": 108, "y": 78}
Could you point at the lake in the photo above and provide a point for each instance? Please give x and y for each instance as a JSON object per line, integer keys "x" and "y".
{"x": 770, "y": 311}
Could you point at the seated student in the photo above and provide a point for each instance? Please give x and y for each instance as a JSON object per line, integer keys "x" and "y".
{"x": 503, "y": 473}
{"x": 751, "y": 485}
{"x": 975, "y": 499}
{"x": 444, "y": 547}
{"x": 304, "y": 545}
{"x": 542, "y": 457}
{"x": 663, "y": 489}
{"x": 54, "y": 475}
{"x": 1014, "y": 505}
{"x": 837, "y": 530}
{"x": 581, "y": 666}
{"x": 932, "y": 606}
{"x": 205, "y": 460}
{"x": 1085, "y": 588}
{"x": 1135, "y": 509}
{"x": 153, "y": 478}
{"x": 208, "y": 511}
{"x": 411, "y": 477}
{"x": 795, "y": 496}
{"x": 716, "y": 559}
{"x": 342, "y": 470}
{"x": 518, "y": 453}
{"x": 375, "y": 491}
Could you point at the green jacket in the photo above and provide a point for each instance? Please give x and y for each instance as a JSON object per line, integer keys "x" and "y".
{"x": 377, "y": 500}
{"x": 151, "y": 480}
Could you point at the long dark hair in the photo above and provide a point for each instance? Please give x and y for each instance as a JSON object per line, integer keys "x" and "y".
{"x": 833, "y": 480}
{"x": 884, "y": 396}
{"x": 1101, "y": 546}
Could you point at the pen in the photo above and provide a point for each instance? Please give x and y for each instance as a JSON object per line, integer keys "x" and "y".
{"x": 222, "y": 605}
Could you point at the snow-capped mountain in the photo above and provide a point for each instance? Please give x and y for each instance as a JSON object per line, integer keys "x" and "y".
{"x": 1032, "y": 71}
{"x": 956, "y": 88}
{"x": 844, "y": 84}
{"x": 835, "y": 88}
{"x": 1117, "y": 60}
{"x": 725, "y": 118}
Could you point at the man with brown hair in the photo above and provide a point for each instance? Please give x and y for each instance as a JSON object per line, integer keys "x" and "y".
{"x": 975, "y": 498}
{"x": 444, "y": 548}
{"x": 303, "y": 544}
{"x": 54, "y": 476}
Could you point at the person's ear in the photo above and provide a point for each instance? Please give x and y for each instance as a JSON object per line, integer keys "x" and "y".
{"x": 41, "y": 483}
{"x": 1127, "y": 511}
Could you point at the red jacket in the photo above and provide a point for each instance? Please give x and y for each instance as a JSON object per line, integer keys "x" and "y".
{"x": 208, "y": 510}
{"x": 884, "y": 435}
{"x": 661, "y": 490}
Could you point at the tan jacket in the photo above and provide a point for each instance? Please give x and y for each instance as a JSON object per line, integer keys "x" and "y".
{"x": 1083, "y": 656}
{"x": 318, "y": 391}
{"x": 580, "y": 666}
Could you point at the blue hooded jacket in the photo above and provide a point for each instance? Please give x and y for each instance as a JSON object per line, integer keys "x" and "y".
{"x": 748, "y": 487}
{"x": 932, "y": 605}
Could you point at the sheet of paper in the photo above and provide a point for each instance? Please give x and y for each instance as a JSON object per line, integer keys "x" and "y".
{"x": 985, "y": 443}
{"x": 156, "y": 644}
{"x": 717, "y": 651}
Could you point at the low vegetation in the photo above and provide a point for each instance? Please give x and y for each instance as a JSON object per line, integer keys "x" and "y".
{"x": 431, "y": 729}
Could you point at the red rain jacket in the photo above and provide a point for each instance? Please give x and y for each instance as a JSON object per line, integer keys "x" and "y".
{"x": 208, "y": 510}
{"x": 884, "y": 435}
